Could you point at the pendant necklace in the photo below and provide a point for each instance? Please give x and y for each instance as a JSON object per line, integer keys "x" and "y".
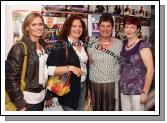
{"x": 131, "y": 45}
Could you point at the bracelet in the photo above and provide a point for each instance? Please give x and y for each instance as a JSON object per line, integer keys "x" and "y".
{"x": 67, "y": 68}
{"x": 146, "y": 93}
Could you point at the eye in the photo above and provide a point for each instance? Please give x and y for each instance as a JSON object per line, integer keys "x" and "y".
{"x": 126, "y": 26}
{"x": 109, "y": 26}
{"x": 80, "y": 26}
{"x": 73, "y": 25}
{"x": 102, "y": 26}
{"x": 41, "y": 24}
{"x": 133, "y": 27}
{"x": 34, "y": 24}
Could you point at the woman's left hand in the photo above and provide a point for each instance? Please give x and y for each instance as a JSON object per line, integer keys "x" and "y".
{"x": 143, "y": 98}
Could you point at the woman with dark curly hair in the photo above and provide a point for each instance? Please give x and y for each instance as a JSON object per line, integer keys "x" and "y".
{"x": 73, "y": 32}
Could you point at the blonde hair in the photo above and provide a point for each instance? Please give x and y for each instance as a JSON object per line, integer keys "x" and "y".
{"x": 29, "y": 18}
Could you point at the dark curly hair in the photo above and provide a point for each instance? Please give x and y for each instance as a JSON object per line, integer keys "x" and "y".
{"x": 65, "y": 31}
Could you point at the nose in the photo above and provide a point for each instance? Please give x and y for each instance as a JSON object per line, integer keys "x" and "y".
{"x": 128, "y": 29}
{"x": 78, "y": 28}
{"x": 105, "y": 28}
{"x": 40, "y": 27}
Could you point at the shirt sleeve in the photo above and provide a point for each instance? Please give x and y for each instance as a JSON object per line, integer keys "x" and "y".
{"x": 51, "y": 70}
{"x": 145, "y": 44}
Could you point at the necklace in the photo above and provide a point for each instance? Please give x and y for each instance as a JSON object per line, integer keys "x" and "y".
{"x": 131, "y": 45}
{"x": 105, "y": 43}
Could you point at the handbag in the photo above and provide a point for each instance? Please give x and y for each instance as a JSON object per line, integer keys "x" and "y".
{"x": 9, "y": 106}
{"x": 60, "y": 85}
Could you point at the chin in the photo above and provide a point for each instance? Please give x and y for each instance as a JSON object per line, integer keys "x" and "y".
{"x": 129, "y": 36}
{"x": 106, "y": 36}
{"x": 39, "y": 35}
{"x": 77, "y": 37}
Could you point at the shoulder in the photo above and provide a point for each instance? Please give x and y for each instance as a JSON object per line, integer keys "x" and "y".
{"x": 16, "y": 51}
{"x": 93, "y": 40}
{"x": 43, "y": 43}
{"x": 59, "y": 45}
{"x": 18, "y": 47}
{"x": 118, "y": 41}
{"x": 144, "y": 44}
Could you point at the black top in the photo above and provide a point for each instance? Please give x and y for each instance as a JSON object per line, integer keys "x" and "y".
{"x": 57, "y": 57}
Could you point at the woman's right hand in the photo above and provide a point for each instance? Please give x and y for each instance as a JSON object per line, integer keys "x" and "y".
{"x": 90, "y": 59}
{"x": 76, "y": 70}
{"x": 23, "y": 109}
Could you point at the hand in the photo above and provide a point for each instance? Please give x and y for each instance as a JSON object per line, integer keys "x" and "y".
{"x": 48, "y": 103}
{"x": 89, "y": 94}
{"x": 143, "y": 98}
{"x": 76, "y": 70}
{"x": 23, "y": 109}
{"x": 90, "y": 59}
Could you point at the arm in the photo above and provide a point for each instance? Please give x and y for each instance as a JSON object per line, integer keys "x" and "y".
{"x": 60, "y": 70}
{"x": 148, "y": 62}
{"x": 13, "y": 76}
{"x": 90, "y": 58}
{"x": 57, "y": 60}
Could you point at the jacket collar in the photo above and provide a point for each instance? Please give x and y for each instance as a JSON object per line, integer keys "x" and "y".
{"x": 31, "y": 43}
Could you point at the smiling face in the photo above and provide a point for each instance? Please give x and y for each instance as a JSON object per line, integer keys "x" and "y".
{"x": 76, "y": 30}
{"x": 105, "y": 29}
{"x": 130, "y": 30}
{"x": 35, "y": 28}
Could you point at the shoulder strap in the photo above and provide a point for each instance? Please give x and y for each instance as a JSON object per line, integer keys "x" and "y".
{"x": 23, "y": 83}
{"x": 69, "y": 74}
{"x": 66, "y": 50}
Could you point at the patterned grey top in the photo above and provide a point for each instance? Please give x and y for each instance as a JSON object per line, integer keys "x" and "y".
{"x": 105, "y": 67}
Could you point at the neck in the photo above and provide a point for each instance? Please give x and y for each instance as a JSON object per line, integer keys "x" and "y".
{"x": 73, "y": 39}
{"x": 35, "y": 39}
{"x": 104, "y": 40}
{"x": 132, "y": 40}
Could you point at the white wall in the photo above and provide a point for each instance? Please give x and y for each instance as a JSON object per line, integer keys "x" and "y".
{"x": 9, "y": 25}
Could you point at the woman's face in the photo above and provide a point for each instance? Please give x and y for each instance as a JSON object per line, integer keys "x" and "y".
{"x": 35, "y": 28}
{"x": 130, "y": 30}
{"x": 76, "y": 29}
{"x": 105, "y": 29}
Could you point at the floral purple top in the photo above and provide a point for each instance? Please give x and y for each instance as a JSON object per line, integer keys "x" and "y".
{"x": 132, "y": 70}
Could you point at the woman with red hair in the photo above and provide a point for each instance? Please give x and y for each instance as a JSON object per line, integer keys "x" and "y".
{"x": 137, "y": 70}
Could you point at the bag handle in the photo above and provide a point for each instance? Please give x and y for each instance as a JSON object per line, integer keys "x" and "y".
{"x": 23, "y": 83}
{"x": 66, "y": 50}
{"x": 69, "y": 74}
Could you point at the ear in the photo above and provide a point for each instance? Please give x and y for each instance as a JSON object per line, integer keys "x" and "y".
{"x": 27, "y": 29}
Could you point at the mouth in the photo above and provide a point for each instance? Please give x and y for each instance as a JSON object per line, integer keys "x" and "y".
{"x": 105, "y": 32}
{"x": 39, "y": 31}
{"x": 77, "y": 33}
{"x": 129, "y": 34}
